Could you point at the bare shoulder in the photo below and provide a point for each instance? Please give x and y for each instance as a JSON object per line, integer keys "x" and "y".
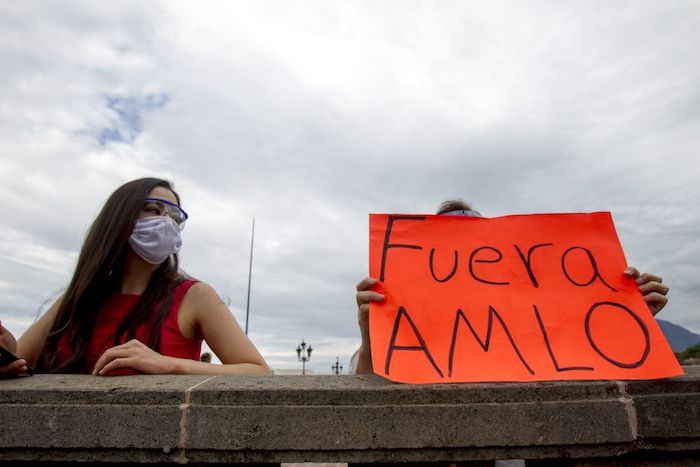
{"x": 201, "y": 296}
{"x": 30, "y": 345}
{"x": 199, "y": 305}
{"x": 49, "y": 317}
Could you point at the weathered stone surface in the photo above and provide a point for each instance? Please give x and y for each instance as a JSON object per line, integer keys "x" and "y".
{"x": 373, "y": 390}
{"x": 82, "y": 389}
{"x": 675, "y": 416}
{"x": 668, "y": 409}
{"x": 99, "y": 426}
{"x": 210, "y": 420}
{"x": 407, "y": 426}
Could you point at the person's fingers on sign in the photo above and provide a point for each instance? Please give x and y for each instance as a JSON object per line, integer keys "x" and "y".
{"x": 652, "y": 288}
{"x": 364, "y": 297}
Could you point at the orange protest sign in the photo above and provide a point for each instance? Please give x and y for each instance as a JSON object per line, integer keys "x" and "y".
{"x": 514, "y": 298}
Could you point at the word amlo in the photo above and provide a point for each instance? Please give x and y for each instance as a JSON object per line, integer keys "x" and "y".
{"x": 460, "y": 317}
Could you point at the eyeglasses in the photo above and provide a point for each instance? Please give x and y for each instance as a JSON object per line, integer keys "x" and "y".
{"x": 163, "y": 207}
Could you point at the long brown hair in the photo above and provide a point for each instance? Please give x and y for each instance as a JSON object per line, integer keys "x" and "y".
{"x": 99, "y": 273}
{"x": 454, "y": 204}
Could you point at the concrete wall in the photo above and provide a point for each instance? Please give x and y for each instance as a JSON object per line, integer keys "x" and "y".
{"x": 358, "y": 419}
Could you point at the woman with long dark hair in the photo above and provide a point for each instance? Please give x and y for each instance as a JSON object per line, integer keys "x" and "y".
{"x": 128, "y": 308}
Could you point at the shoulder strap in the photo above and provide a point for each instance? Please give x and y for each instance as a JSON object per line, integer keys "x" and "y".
{"x": 181, "y": 289}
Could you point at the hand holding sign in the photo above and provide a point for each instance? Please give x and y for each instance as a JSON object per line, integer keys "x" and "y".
{"x": 514, "y": 298}
{"x": 362, "y": 360}
{"x": 653, "y": 291}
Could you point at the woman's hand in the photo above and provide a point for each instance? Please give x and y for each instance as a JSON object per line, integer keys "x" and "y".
{"x": 653, "y": 291}
{"x": 364, "y": 297}
{"x": 134, "y": 355}
{"x": 8, "y": 342}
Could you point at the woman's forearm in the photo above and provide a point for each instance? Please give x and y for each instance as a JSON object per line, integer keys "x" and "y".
{"x": 181, "y": 366}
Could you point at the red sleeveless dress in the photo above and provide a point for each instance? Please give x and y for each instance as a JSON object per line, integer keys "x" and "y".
{"x": 113, "y": 313}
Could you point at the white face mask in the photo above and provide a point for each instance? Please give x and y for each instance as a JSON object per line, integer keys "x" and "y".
{"x": 155, "y": 238}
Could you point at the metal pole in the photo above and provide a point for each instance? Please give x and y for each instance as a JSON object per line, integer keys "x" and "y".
{"x": 250, "y": 273}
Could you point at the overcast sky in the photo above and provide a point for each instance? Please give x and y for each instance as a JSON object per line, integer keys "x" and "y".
{"x": 309, "y": 115}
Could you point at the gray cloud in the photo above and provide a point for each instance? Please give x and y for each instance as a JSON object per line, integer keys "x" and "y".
{"x": 310, "y": 116}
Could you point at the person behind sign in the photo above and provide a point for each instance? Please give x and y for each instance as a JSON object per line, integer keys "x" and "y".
{"x": 128, "y": 308}
{"x": 651, "y": 286}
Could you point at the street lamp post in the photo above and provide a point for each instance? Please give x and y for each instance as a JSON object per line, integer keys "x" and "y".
{"x": 304, "y": 355}
{"x": 337, "y": 368}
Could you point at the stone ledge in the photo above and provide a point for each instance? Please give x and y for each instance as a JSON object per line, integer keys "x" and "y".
{"x": 164, "y": 419}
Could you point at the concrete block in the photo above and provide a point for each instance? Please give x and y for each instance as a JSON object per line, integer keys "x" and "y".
{"x": 69, "y": 418}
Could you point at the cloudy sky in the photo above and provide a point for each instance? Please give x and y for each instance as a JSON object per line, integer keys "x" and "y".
{"x": 309, "y": 115}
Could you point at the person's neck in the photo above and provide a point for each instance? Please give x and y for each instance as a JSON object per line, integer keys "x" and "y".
{"x": 137, "y": 274}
